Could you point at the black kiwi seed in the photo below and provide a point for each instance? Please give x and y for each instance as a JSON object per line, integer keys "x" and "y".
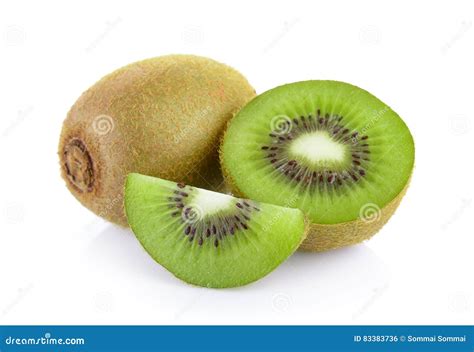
{"x": 334, "y": 124}
{"x": 214, "y": 229}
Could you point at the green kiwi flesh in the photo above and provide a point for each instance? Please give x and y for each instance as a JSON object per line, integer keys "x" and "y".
{"x": 326, "y": 147}
{"x": 210, "y": 239}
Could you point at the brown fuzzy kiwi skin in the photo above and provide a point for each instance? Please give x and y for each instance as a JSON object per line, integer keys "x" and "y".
{"x": 324, "y": 237}
{"x": 161, "y": 117}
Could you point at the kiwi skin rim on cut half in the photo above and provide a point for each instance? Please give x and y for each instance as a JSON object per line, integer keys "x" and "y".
{"x": 323, "y": 237}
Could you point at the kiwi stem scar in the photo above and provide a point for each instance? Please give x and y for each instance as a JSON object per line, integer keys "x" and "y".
{"x": 78, "y": 165}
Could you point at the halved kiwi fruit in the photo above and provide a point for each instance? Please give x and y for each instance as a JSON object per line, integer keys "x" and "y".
{"x": 207, "y": 238}
{"x": 162, "y": 116}
{"x": 328, "y": 148}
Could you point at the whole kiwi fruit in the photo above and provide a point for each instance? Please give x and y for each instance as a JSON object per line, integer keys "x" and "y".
{"x": 161, "y": 117}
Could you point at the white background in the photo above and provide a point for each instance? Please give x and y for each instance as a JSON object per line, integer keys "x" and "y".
{"x": 61, "y": 264}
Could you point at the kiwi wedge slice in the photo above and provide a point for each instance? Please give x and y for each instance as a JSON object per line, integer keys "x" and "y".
{"x": 207, "y": 238}
{"x": 329, "y": 148}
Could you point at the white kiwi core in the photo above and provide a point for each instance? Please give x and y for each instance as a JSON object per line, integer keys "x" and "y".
{"x": 319, "y": 149}
{"x": 209, "y": 203}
